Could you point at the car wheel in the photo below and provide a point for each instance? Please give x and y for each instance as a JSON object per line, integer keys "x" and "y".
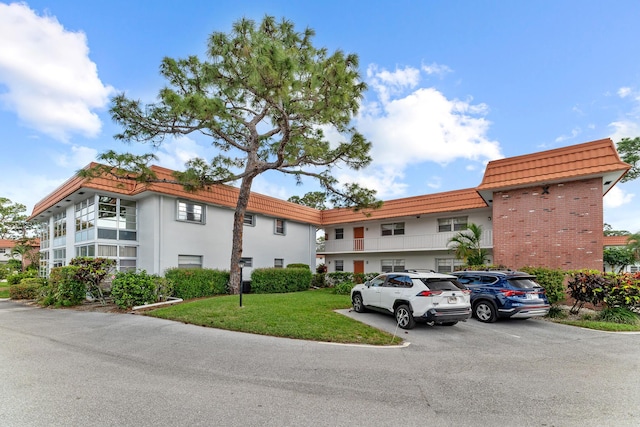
{"x": 485, "y": 311}
{"x": 358, "y": 306}
{"x": 404, "y": 317}
{"x": 449, "y": 323}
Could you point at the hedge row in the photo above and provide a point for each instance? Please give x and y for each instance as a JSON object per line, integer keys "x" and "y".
{"x": 280, "y": 280}
{"x": 197, "y": 282}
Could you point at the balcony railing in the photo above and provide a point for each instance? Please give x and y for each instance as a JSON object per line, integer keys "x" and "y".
{"x": 432, "y": 242}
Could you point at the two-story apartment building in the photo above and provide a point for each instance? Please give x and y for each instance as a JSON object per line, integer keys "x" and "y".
{"x": 541, "y": 209}
{"x": 157, "y": 226}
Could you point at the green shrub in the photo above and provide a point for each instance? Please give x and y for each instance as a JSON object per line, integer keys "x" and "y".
{"x": 298, "y": 265}
{"x": 338, "y": 277}
{"x": 14, "y": 279}
{"x": 556, "y": 312}
{"x": 280, "y": 280}
{"x": 5, "y": 271}
{"x": 29, "y": 288}
{"x": 321, "y": 268}
{"x": 197, "y": 282}
{"x": 343, "y": 288}
{"x": 551, "y": 280}
{"x": 133, "y": 288}
{"x": 64, "y": 287}
{"x": 622, "y": 290}
{"x": 318, "y": 280}
{"x": 586, "y": 286}
{"x": 619, "y": 315}
{"x": 92, "y": 272}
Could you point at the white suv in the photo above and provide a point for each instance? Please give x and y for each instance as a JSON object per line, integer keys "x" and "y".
{"x": 414, "y": 296}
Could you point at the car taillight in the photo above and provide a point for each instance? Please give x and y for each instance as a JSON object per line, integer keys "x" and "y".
{"x": 428, "y": 293}
{"x": 510, "y": 293}
{"x": 466, "y": 291}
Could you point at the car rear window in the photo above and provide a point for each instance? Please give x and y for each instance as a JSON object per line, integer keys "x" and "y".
{"x": 523, "y": 283}
{"x": 442, "y": 285}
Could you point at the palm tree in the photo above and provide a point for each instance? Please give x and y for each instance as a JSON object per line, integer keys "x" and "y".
{"x": 467, "y": 245}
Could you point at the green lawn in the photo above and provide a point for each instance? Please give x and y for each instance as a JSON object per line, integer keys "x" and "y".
{"x": 302, "y": 315}
{"x": 4, "y": 291}
{"x": 600, "y": 326}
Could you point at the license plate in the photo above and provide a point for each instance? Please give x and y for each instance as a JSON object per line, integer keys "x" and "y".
{"x": 532, "y": 295}
{"x": 453, "y": 300}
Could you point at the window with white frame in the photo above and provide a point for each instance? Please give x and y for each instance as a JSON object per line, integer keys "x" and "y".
{"x": 278, "y": 263}
{"x": 60, "y": 229}
{"x": 45, "y": 235}
{"x": 392, "y": 265}
{"x": 3, "y": 250}
{"x": 339, "y": 233}
{"x": 44, "y": 264}
{"x": 59, "y": 257}
{"x": 189, "y": 261}
{"x": 86, "y": 250}
{"x": 279, "y": 226}
{"x": 448, "y": 265}
{"x": 452, "y": 224}
{"x": 248, "y": 262}
{"x": 117, "y": 218}
{"x": 191, "y": 212}
{"x": 393, "y": 229}
{"x": 249, "y": 219}
{"x": 85, "y": 220}
{"x": 339, "y": 265}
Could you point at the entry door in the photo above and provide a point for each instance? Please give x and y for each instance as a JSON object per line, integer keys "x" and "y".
{"x": 358, "y": 238}
{"x": 358, "y": 267}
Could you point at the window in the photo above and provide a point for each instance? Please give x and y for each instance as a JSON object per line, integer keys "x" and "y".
{"x": 391, "y": 265}
{"x": 452, "y": 224}
{"x": 117, "y": 219}
{"x": 128, "y": 251}
{"x": 107, "y": 251}
{"x": 279, "y": 226}
{"x": 45, "y": 234}
{"x": 278, "y": 263}
{"x": 398, "y": 281}
{"x": 248, "y": 262}
{"x": 448, "y": 265}
{"x": 86, "y": 250}
{"x": 339, "y": 233}
{"x": 249, "y": 219}
{"x": 3, "y": 250}
{"x": 60, "y": 229}
{"x": 59, "y": 257}
{"x": 393, "y": 229}
{"x": 85, "y": 220}
{"x": 127, "y": 265}
{"x": 339, "y": 265}
{"x": 191, "y": 212}
{"x": 189, "y": 261}
{"x": 44, "y": 264}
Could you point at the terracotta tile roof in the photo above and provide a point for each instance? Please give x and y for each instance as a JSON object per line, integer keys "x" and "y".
{"x": 596, "y": 158}
{"x": 450, "y": 201}
{"x": 6, "y": 243}
{"x": 615, "y": 240}
{"x": 221, "y": 195}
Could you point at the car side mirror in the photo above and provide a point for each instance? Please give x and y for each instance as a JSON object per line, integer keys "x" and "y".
{"x": 367, "y": 284}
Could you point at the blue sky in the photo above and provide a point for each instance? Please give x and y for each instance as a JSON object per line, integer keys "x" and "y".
{"x": 452, "y": 84}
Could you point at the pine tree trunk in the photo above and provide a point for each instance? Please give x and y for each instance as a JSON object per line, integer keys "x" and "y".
{"x": 238, "y": 229}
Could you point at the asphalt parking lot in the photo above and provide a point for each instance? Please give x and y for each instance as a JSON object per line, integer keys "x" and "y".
{"x": 61, "y": 367}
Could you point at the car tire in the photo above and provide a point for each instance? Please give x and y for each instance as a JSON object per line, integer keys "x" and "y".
{"x": 449, "y": 323}
{"x": 485, "y": 311}
{"x": 404, "y": 317}
{"x": 358, "y": 305}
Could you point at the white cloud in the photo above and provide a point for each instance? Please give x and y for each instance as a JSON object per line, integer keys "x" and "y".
{"x": 387, "y": 84}
{"x": 28, "y": 188}
{"x": 624, "y": 92}
{"x": 617, "y": 197}
{"x": 437, "y": 69}
{"x": 175, "y": 152}
{"x": 78, "y": 158}
{"x": 435, "y": 182}
{"x": 574, "y": 132}
{"x": 51, "y": 84}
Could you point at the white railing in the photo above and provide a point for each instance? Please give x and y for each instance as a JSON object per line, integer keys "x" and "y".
{"x": 437, "y": 241}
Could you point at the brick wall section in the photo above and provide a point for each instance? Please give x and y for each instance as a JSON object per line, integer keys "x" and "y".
{"x": 561, "y": 229}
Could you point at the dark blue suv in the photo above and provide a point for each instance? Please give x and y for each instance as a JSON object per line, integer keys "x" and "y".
{"x": 497, "y": 294}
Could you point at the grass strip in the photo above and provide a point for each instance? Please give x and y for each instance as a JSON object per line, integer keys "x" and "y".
{"x": 305, "y": 315}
